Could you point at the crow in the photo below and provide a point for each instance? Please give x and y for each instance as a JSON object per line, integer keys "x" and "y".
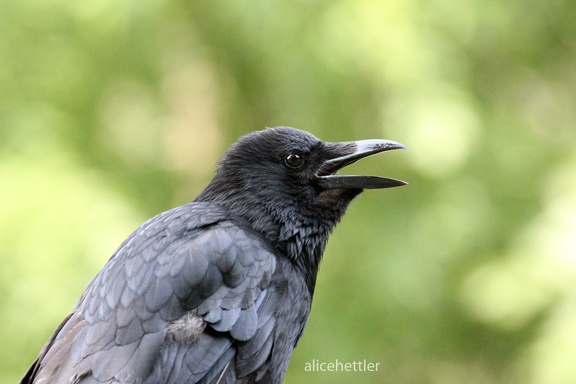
{"x": 218, "y": 290}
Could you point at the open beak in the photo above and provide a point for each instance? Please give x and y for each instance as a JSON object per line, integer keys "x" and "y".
{"x": 343, "y": 154}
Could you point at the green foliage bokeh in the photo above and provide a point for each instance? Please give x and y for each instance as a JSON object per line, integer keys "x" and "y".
{"x": 111, "y": 112}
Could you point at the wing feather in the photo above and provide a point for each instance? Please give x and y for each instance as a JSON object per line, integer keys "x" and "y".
{"x": 188, "y": 261}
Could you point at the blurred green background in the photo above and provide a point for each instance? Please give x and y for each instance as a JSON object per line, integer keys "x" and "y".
{"x": 111, "y": 112}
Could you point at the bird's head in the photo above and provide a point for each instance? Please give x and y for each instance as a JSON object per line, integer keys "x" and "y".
{"x": 283, "y": 180}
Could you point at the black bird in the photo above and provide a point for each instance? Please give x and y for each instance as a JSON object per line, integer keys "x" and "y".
{"x": 218, "y": 290}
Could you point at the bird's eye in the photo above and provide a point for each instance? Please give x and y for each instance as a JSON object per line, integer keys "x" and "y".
{"x": 294, "y": 160}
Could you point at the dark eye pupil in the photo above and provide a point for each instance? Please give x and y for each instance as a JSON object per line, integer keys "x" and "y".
{"x": 294, "y": 161}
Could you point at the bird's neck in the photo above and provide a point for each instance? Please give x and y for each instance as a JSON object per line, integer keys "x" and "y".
{"x": 304, "y": 248}
{"x": 301, "y": 240}
{"x": 298, "y": 234}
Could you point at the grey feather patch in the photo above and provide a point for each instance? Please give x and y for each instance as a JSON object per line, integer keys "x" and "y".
{"x": 245, "y": 326}
{"x": 227, "y": 319}
{"x": 186, "y": 329}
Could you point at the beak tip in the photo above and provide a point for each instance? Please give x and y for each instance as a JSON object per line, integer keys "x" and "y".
{"x": 397, "y": 145}
{"x": 369, "y": 147}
